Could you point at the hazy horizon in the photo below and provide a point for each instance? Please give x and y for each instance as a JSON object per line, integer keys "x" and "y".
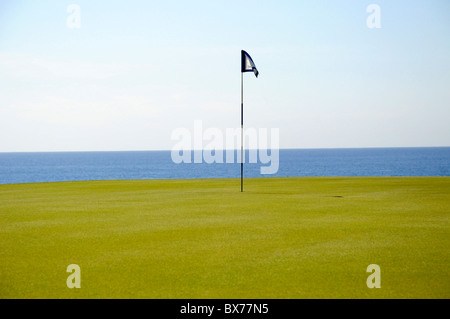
{"x": 235, "y": 149}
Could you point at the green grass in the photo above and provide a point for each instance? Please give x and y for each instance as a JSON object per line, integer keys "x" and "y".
{"x": 281, "y": 238}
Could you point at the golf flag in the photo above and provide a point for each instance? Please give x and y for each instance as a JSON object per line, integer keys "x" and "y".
{"x": 247, "y": 64}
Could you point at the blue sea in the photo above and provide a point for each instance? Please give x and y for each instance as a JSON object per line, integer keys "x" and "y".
{"x": 77, "y": 166}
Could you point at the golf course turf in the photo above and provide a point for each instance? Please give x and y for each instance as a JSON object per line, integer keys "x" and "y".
{"x": 281, "y": 238}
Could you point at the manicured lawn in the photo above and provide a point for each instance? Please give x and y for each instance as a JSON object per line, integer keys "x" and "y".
{"x": 281, "y": 238}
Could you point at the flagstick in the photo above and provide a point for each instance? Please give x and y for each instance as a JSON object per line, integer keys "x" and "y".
{"x": 242, "y": 132}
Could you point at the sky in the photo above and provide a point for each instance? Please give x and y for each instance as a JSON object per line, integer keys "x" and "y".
{"x": 128, "y": 73}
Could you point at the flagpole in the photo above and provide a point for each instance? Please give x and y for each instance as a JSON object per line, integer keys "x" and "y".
{"x": 242, "y": 132}
{"x": 247, "y": 65}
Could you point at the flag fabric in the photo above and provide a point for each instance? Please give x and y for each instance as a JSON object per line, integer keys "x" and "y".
{"x": 247, "y": 64}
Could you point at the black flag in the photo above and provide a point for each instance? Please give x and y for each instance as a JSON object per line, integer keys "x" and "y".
{"x": 247, "y": 64}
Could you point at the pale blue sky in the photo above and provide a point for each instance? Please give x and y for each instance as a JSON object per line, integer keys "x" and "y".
{"x": 137, "y": 70}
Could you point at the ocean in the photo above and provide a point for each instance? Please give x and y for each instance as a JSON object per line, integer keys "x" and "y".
{"x": 76, "y": 166}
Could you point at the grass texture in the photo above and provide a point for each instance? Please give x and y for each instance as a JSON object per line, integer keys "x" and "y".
{"x": 282, "y": 238}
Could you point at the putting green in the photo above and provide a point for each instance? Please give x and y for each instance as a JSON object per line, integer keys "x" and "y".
{"x": 281, "y": 238}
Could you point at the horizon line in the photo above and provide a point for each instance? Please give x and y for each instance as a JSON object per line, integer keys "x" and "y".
{"x": 224, "y": 150}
